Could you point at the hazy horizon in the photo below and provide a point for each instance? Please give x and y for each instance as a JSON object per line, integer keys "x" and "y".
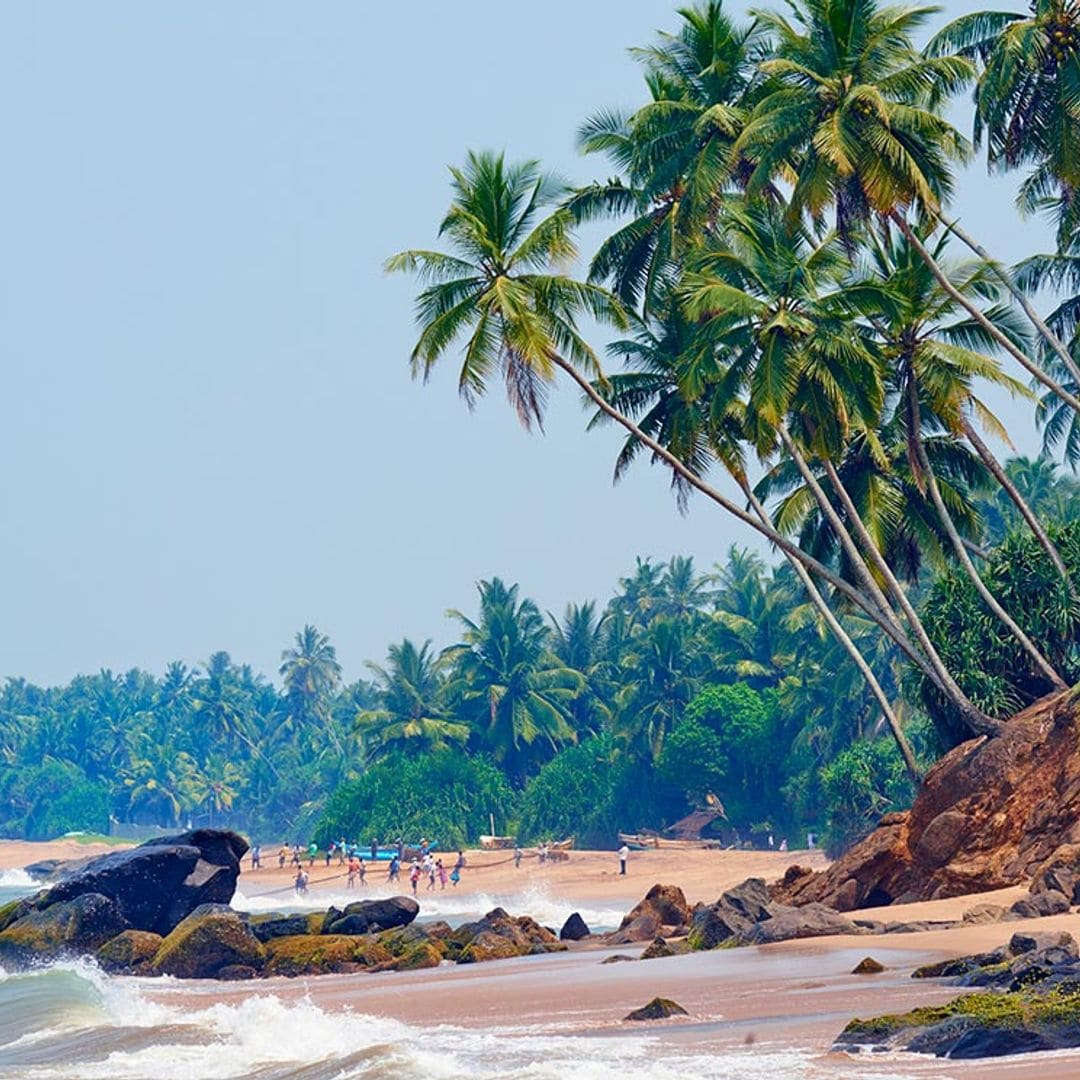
{"x": 212, "y": 434}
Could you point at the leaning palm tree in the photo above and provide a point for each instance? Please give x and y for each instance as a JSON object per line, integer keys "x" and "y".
{"x": 512, "y": 319}
{"x": 855, "y": 125}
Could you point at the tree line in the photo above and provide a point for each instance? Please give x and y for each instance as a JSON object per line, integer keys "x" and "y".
{"x": 795, "y": 304}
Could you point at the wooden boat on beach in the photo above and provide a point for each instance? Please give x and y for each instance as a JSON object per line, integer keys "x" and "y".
{"x": 651, "y": 842}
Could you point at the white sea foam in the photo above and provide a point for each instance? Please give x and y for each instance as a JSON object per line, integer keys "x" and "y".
{"x": 16, "y": 879}
{"x": 264, "y": 1036}
{"x": 451, "y": 905}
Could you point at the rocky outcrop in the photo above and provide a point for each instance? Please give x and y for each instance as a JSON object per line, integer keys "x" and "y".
{"x": 161, "y": 882}
{"x": 657, "y": 1009}
{"x": 130, "y": 952}
{"x": 207, "y": 941}
{"x": 1029, "y": 1001}
{"x": 371, "y": 916}
{"x": 574, "y": 929}
{"x": 813, "y": 920}
{"x": 69, "y": 928}
{"x": 991, "y": 813}
{"x": 732, "y": 916}
{"x": 499, "y": 936}
{"x": 664, "y": 906}
{"x": 324, "y": 954}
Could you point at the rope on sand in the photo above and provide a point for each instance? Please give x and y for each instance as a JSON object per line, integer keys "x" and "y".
{"x": 338, "y": 877}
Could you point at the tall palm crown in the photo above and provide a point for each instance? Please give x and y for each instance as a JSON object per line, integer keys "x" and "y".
{"x": 674, "y": 154}
{"x": 854, "y": 120}
{"x": 1027, "y": 99}
{"x": 497, "y": 291}
{"x": 515, "y": 691}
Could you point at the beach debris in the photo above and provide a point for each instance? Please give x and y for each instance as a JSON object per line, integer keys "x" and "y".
{"x": 868, "y": 966}
{"x": 574, "y": 929}
{"x": 657, "y": 1009}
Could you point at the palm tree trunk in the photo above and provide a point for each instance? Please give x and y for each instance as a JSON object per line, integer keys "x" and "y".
{"x": 1010, "y": 489}
{"x": 973, "y": 310}
{"x": 957, "y": 542}
{"x": 1005, "y": 278}
{"x": 975, "y": 717}
{"x": 939, "y": 673}
{"x": 850, "y": 647}
{"x": 980, "y": 723}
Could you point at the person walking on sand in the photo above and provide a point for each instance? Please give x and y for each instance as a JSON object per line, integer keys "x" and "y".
{"x": 354, "y": 869}
{"x": 256, "y": 857}
{"x": 414, "y": 876}
{"x": 363, "y": 874}
{"x": 282, "y": 855}
{"x": 517, "y": 856}
{"x": 374, "y": 849}
{"x": 624, "y": 854}
{"x": 441, "y": 871}
{"x": 459, "y": 864}
{"x": 395, "y": 869}
{"x": 430, "y": 874}
{"x": 301, "y": 882}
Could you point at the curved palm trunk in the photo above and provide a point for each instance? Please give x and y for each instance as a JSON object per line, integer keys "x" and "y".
{"x": 850, "y": 647}
{"x": 977, "y": 721}
{"x": 957, "y": 542}
{"x": 973, "y": 310}
{"x": 1010, "y": 489}
{"x": 1005, "y": 278}
{"x": 938, "y": 673}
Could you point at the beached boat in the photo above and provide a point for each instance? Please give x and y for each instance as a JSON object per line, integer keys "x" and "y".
{"x": 562, "y": 845}
{"x": 497, "y": 843}
{"x": 647, "y": 842}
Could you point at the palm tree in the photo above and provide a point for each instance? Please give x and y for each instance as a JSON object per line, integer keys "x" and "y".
{"x": 855, "y": 124}
{"x": 514, "y": 692}
{"x": 1027, "y": 98}
{"x": 520, "y": 321}
{"x": 578, "y": 641}
{"x": 411, "y": 717}
{"x": 674, "y": 153}
{"x": 312, "y": 674}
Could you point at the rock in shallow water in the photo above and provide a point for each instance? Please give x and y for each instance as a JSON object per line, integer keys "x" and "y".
{"x": 657, "y": 1009}
{"x": 574, "y": 929}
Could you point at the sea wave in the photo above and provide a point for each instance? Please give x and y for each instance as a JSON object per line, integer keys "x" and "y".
{"x": 16, "y": 879}
{"x": 451, "y": 905}
{"x": 74, "y": 1023}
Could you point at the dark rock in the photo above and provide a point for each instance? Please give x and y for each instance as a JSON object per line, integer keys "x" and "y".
{"x": 919, "y": 926}
{"x": 643, "y": 928}
{"x": 750, "y": 900}
{"x": 657, "y": 950}
{"x": 80, "y": 925}
{"x": 130, "y": 951}
{"x": 159, "y": 883}
{"x": 814, "y": 920}
{"x": 713, "y": 926}
{"x": 618, "y": 958}
{"x": 985, "y": 913}
{"x": 201, "y": 945}
{"x": 997, "y": 1042}
{"x": 1050, "y": 902}
{"x": 275, "y": 925}
{"x": 574, "y": 929}
{"x": 868, "y": 966}
{"x": 366, "y": 915}
{"x": 657, "y": 1009}
{"x": 1021, "y": 942}
{"x": 236, "y": 973}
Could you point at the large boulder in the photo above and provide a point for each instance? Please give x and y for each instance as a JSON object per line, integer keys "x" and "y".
{"x": 71, "y": 927}
{"x": 662, "y": 906}
{"x": 498, "y": 936}
{"x": 366, "y": 916}
{"x": 161, "y": 882}
{"x": 813, "y": 920}
{"x": 991, "y": 813}
{"x": 1039, "y": 905}
{"x": 274, "y": 924}
{"x": 657, "y": 1009}
{"x": 206, "y": 942}
{"x": 574, "y": 929}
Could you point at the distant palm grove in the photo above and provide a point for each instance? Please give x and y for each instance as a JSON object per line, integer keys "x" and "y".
{"x": 794, "y": 322}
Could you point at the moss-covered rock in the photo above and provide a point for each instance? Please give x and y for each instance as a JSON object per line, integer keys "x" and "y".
{"x": 71, "y": 927}
{"x": 488, "y": 945}
{"x": 868, "y": 966}
{"x": 130, "y": 952}
{"x": 658, "y": 950}
{"x": 275, "y": 924}
{"x": 424, "y": 954}
{"x": 204, "y": 944}
{"x": 324, "y": 954}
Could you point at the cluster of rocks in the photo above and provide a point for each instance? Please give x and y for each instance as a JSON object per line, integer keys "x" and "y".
{"x": 1027, "y": 999}
{"x": 163, "y": 909}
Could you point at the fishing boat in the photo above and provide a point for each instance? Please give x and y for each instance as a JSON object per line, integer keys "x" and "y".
{"x": 497, "y": 843}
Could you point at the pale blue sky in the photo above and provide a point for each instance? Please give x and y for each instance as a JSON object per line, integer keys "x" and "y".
{"x": 209, "y": 431}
